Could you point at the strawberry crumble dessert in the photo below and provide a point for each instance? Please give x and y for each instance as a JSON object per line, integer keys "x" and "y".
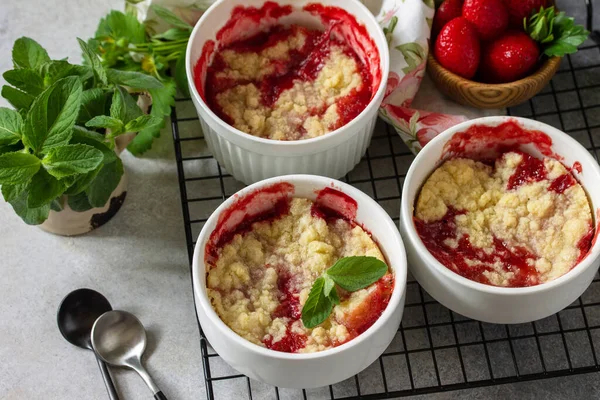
{"x": 260, "y": 275}
{"x": 288, "y": 83}
{"x": 520, "y": 222}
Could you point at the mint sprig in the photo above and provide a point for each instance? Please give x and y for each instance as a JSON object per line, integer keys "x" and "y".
{"x": 556, "y": 33}
{"x": 349, "y": 273}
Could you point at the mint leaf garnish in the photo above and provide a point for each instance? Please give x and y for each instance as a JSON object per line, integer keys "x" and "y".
{"x": 351, "y": 274}
{"x": 27, "y": 53}
{"x": 72, "y": 159}
{"x": 355, "y": 273}
{"x": 318, "y": 306}
{"x": 17, "y": 168}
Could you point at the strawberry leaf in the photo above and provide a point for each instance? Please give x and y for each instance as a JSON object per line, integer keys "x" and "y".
{"x": 557, "y": 34}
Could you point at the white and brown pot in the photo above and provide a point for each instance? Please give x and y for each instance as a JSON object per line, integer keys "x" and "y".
{"x": 71, "y": 223}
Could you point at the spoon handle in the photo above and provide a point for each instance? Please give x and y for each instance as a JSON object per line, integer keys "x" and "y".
{"x": 160, "y": 396}
{"x": 108, "y": 382}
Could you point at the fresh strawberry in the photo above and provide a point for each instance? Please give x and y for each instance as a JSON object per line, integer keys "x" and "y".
{"x": 490, "y": 17}
{"x": 519, "y": 9}
{"x": 509, "y": 58}
{"x": 457, "y": 47}
{"x": 445, "y": 13}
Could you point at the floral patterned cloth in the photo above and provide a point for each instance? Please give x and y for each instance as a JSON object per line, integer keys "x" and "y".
{"x": 407, "y": 27}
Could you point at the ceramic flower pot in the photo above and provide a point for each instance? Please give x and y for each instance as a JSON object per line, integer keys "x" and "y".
{"x": 72, "y": 223}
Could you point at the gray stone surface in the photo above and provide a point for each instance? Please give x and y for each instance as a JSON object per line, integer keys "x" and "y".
{"x": 139, "y": 261}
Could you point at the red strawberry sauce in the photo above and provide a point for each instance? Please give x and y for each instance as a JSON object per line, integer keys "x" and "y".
{"x": 486, "y": 143}
{"x": 251, "y": 29}
{"x": 270, "y": 203}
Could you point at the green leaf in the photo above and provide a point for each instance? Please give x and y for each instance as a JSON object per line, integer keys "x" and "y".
{"x": 17, "y": 168}
{"x": 57, "y": 205}
{"x": 12, "y": 148}
{"x": 170, "y": 17}
{"x": 10, "y": 126}
{"x": 31, "y": 216}
{"x": 83, "y": 136}
{"x": 104, "y": 121}
{"x": 43, "y": 189}
{"x": 72, "y": 159}
{"x": 333, "y": 296}
{"x": 181, "y": 75}
{"x": 118, "y": 25}
{"x": 54, "y": 70}
{"x": 52, "y": 115}
{"x": 12, "y": 192}
{"x": 389, "y": 30}
{"x": 329, "y": 285}
{"x": 355, "y": 273}
{"x": 557, "y": 33}
{"x": 142, "y": 122}
{"x": 27, "y": 80}
{"x": 162, "y": 101}
{"x": 93, "y": 103}
{"x": 173, "y": 34}
{"x": 124, "y": 106}
{"x": 93, "y": 60}
{"x": 105, "y": 183}
{"x": 82, "y": 182}
{"x": 318, "y": 306}
{"x": 27, "y": 53}
{"x": 79, "y": 202}
{"x": 18, "y": 99}
{"x": 413, "y": 54}
{"x": 133, "y": 79}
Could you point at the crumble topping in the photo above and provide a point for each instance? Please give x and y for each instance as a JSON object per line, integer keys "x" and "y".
{"x": 288, "y": 84}
{"x": 520, "y": 223}
{"x": 262, "y": 278}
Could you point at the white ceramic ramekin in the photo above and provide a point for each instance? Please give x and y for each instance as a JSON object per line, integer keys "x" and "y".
{"x": 249, "y": 158}
{"x": 485, "y": 302}
{"x": 315, "y": 369}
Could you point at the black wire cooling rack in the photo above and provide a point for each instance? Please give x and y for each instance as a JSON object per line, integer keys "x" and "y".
{"x": 435, "y": 349}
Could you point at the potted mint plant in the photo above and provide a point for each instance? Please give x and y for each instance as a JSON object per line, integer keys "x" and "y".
{"x": 59, "y": 161}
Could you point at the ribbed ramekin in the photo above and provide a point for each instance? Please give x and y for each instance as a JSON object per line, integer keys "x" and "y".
{"x": 249, "y": 158}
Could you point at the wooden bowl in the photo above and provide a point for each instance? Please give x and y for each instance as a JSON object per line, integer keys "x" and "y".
{"x": 486, "y": 95}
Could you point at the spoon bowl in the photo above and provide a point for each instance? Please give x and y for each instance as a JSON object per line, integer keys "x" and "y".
{"x": 75, "y": 318}
{"x": 119, "y": 339}
{"x": 77, "y": 313}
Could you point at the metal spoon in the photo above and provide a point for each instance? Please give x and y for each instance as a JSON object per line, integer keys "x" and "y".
{"x": 119, "y": 338}
{"x": 76, "y": 315}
